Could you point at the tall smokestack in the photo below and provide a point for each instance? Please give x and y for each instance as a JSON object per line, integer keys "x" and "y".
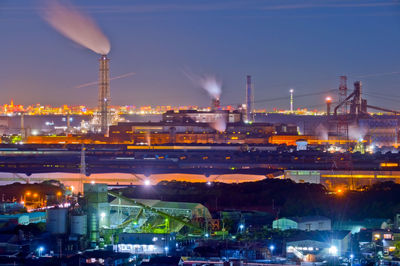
{"x": 249, "y": 99}
{"x": 104, "y": 93}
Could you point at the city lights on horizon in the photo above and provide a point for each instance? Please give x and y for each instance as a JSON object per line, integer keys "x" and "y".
{"x": 12, "y": 109}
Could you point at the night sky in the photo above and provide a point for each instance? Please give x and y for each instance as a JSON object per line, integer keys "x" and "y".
{"x": 306, "y": 45}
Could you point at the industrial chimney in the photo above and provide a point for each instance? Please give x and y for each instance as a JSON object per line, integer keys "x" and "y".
{"x": 328, "y": 101}
{"x": 215, "y": 104}
{"x": 249, "y": 99}
{"x": 104, "y": 94}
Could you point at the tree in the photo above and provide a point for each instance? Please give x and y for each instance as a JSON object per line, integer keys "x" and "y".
{"x": 396, "y": 252}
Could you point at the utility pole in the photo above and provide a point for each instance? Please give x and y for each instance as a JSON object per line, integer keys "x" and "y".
{"x": 82, "y": 167}
{"x": 291, "y": 100}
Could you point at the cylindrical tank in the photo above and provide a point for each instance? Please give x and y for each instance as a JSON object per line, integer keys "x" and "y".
{"x": 78, "y": 224}
{"x": 57, "y": 221}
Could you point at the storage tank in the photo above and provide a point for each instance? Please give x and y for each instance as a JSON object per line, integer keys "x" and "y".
{"x": 57, "y": 221}
{"x": 78, "y": 224}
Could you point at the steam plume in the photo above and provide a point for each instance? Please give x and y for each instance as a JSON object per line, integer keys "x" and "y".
{"x": 321, "y": 131}
{"x": 208, "y": 82}
{"x": 219, "y": 124}
{"x": 357, "y": 133}
{"x": 77, "y": 27}
{"x": 212, "y": 86}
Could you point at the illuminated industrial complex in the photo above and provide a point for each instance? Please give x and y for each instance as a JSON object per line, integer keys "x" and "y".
{"x": 218, "y": 184}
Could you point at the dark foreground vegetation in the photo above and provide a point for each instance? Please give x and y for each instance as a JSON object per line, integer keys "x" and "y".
{"x": 280, "y": 198}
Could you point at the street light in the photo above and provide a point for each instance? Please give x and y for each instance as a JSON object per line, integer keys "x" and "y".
{"x": 333, "y": 250}
{"x": 272, "y": 247}
{"x": 40, "y": 249}
{"x": 241, "y": 227}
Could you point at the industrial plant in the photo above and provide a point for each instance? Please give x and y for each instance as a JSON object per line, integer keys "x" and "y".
{"x": 208, "y": 184}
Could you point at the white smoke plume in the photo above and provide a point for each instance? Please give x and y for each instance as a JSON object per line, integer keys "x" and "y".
{"x": 357, "y": 133}
{"x": 76, "y": 26}
{"x": 321, "y": 132}
{"x": 209, "y": 83}
{"x": 212, "y": 85}
{"x": 219, "y": 124}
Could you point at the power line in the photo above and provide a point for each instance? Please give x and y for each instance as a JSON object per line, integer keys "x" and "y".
{"x": 296, "y": 96}
{"x": 382, "y": 97}
{"x": 377, "y": 74}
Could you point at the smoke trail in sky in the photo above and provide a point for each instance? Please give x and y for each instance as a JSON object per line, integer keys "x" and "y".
{"x": 76, "y": 26}
{"x": 88, "y": 84}
{"x": 208, "y": 82}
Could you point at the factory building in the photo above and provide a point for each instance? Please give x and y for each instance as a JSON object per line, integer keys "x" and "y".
{"x": 190, "y": 133}
{"x": 186, "y": 116}
{"x": 308, "y": 246}
{"x": 382, "y": 131}
{"x": 307, "y": 223}
{"x": 292, "y": 140}
{"x": 145, "y": 243}
{"x": 343, "y": 179}
{"x": 197, "y": 127}
{"x": 120, "y": 210}
{"x": 24, "y": 218}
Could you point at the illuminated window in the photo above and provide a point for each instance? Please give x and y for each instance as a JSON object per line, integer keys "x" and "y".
{"x": 387, "y": 236}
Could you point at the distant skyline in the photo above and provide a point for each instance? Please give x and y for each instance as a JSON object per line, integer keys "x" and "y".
{"x": 305, "y": 45}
